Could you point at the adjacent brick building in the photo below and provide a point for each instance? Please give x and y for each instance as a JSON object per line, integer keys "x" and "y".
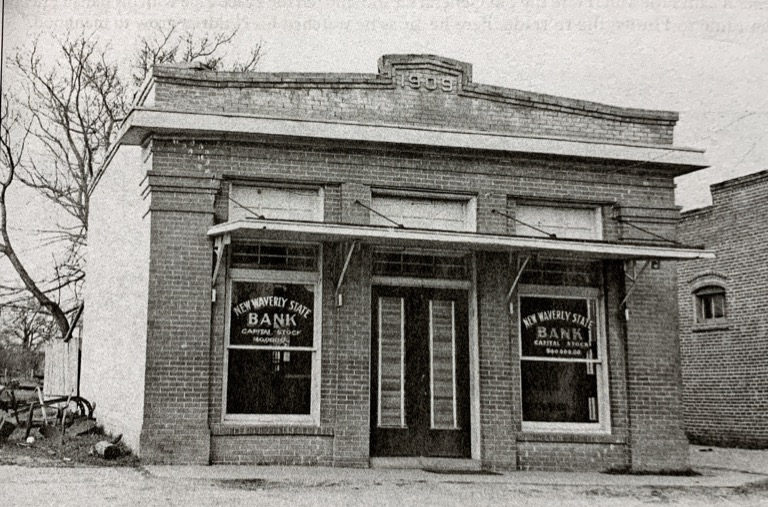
{"x": 357, "y": 269}
{"x": 723, "y": 327}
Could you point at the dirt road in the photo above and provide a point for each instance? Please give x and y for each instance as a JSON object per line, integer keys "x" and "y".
{"x": 211, "y": 486}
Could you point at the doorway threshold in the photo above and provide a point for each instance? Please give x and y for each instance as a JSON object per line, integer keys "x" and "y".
{"x": 440, "y": 465}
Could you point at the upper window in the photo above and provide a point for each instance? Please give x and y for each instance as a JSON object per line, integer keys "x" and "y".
{"x": 424, "y": 212}
{"x": 564, "y": 222}
{"x": 710, "y": 304}
{"x": 563, "y": 364}
{"x": 273, "y": 203}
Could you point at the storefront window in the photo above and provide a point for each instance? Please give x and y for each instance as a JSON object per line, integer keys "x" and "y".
{"x": 272, "y": 346}
{"x": 562, "y": 360}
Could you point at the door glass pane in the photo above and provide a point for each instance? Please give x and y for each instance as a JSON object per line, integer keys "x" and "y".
{"x": 391, "y": 362}
{"x": 442, "y": 351}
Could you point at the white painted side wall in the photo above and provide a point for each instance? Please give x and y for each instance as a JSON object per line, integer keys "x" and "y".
{"x": 116, "y": 287}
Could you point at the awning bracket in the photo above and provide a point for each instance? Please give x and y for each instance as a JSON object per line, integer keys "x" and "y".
{"x": 633, "y": 278}
{"x": 520, "y": 269}
{"x": 343, "y": 274}
{"x": 218, "y": 249}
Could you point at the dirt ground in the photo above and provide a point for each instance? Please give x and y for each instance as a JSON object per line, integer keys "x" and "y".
{"x": 62, "y": 472}
{"x": 123, "y": 486}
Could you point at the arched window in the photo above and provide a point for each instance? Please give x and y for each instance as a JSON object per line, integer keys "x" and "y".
{"x": 709, "y": 304}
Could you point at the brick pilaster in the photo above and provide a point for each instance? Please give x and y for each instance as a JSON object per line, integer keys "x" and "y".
{"x": 179, "y": 319}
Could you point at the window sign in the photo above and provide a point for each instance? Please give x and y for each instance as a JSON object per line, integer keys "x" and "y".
{"x": 558, "y": 327}
{"x": 272, "y": 314}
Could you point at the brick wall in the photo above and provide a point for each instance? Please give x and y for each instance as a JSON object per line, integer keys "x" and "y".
{"x": 725, "y": 375}
{"x": 392, "y": 97}
{"x": 570, "y": 456}
{"x": 654, "y": 392}
{"x": 349, "y": 175}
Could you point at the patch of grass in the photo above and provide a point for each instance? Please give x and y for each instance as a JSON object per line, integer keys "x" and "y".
{"x": 71, "y": 450}
{"x": 249, "y": 484}
{"x": 752, "y": 488}
{"x": 686, "y": 472}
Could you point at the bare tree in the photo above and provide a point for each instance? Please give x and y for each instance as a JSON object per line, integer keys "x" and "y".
{"x": 171, "y": 44}
{"x": 26, "y": 324}
{"x": 10, "y": 157}
{"x": 66, "y": 109}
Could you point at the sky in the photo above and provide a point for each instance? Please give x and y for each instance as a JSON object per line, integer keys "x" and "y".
{"x": 706, "y": 59}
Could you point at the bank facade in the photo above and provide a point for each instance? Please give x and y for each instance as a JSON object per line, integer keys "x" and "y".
{"x": 346, "y": 269}
{"x": 723, "y": 327}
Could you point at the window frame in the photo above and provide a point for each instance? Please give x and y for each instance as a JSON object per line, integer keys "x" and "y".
{"x": 603, "y": 426}
{"x": 709, "y": 288}
{"x": 597, "y": 218}
{"x": 318, "y": 214}
{"x": 468, "y": 202}
{"x": 277, "y": 276}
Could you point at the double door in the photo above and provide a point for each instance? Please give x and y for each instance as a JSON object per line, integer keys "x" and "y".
{"x": 420, "y": 374}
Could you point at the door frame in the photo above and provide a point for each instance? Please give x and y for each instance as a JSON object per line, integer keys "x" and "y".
{"x": 474, "y": 349}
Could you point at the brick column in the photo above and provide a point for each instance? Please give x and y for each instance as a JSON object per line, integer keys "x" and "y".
{"x": 351, "y": 445}
{"x": 499, "y": 364}
{"x": 653, "y": 373}
{"x": 175, "y": 428}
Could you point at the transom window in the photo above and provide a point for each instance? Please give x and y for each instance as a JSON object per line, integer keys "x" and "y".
{"x": 421, "y": 265}
{"x": 274, "y": 256}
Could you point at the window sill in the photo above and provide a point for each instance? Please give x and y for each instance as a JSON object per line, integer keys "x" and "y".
{"x": 271, "y": 430}
{"x": 722, "y": 325}
{"x": 571, "y": 438}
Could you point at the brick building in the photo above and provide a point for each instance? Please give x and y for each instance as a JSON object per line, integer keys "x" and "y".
{"x": 357, "y": 269}
{"x": 723, "y": 327}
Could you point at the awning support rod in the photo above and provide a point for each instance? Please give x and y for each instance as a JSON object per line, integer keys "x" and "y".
{"x": 641, "y": 229}
{"x": 633, "y": 279}
{"x": 517, "y": 277}
{"x": 344, "y": 270}
{"x": 550, "y": 234}
{"x": 399, "y": 225}
{"x": 218, "y": 248}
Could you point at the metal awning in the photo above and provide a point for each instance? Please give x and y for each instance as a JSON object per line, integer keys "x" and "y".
{"x": 285, "y": 230}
